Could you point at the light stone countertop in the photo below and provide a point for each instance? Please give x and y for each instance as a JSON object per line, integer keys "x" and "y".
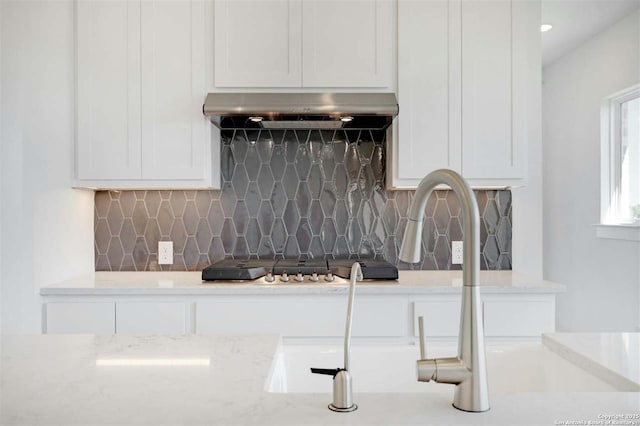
{"x": 89, "y": 380}
{"x": 190, "y": 283}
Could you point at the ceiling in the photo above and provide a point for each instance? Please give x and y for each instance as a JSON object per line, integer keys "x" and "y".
{"x": 575, "y": 21}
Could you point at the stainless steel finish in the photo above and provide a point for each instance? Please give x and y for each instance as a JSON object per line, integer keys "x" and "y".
{"x": 325, "y": 110}
{"x": 284, "y": 277}
{"x": 342, "y": 394}
{"x": 269, "y": 278}
{"x": 299, "y": 277}
{"x": 468, "y": 370}
{"x": 329, "y": 277}
{"x": 423, "y": 349}
{"x": 314, "y": 277}
{"x": 356, "y": 275}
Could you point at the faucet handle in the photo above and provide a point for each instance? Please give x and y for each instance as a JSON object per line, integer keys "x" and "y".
{"x": 423, "y": 349}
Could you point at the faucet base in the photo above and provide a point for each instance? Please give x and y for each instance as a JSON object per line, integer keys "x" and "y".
{"x": 332, "y": 407}
{"x": 470, "y": 411}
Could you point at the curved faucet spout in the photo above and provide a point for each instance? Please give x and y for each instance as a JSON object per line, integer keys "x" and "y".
{"x": 468, "y": 371}
{"x": 411, "y": 244}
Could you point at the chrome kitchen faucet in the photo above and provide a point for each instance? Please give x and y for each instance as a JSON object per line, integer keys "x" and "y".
{"x": 468, "y": 371}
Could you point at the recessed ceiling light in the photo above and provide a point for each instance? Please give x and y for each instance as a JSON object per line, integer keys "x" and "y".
{"x": 255, "y": 119}
{"x": 346, "y": 119}
{"x": 545, "y": 27}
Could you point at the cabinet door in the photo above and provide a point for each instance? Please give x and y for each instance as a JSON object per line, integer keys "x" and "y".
{"x": 152, "y": 318}
{"x": 489, "y": 148}
{"x": 508, "y": 316}
{"x": 428, "y": 126}
{"x": 108, "y": 144}
{"x": 174, "y": 142}
{"x": 347, "y": 43}
{"x": 80, "y": 318}
{"x": 257, "y": 43}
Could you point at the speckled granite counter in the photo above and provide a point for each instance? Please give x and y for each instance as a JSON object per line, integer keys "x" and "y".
{"x": 220, "y": 380}
{"x": 190, "y": 283}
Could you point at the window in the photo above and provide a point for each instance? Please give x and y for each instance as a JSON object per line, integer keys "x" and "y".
{"x": 621, "y": 160}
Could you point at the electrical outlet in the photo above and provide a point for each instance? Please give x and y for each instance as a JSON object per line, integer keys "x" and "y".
{"x": 456, "y": 252}
{"x": 165, "y": 252}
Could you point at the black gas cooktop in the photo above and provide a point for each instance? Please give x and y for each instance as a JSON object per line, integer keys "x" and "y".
{"x": 310, "y": 269}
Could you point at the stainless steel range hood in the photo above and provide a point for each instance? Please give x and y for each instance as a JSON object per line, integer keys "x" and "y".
{"x": 301, "y": 110}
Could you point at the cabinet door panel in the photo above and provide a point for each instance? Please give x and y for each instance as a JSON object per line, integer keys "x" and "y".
{"x": 258, "y": 43}
{"x": 151, "y": 318}
{"x": 428, "y": 132}
{"x": 487, "y": 89}
{"x": 441, "y": 316}
{"x": 174, "y": 143}
{"x": 80, "y": 318}
{"x": 347, "y": 43}
{"x": 108, "y": 144}
{"x": 509, "y": 317}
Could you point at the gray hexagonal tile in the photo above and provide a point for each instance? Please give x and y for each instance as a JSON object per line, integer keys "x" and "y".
{"x": 354, "y": 200}
{"x": 303, "y": 161}
{"x": 504, "y": 202}
{"x": 178, "y": 202}
{"x": 241, "y": 250}
{"x": 453, "y": 203}
{"x": 265, "y": 217}
{"x": 239, "y": 146}
{"x": 304, "y": 235}
{"x": 367, "y": 218}
{"x": 455, "y": 230}
{"x": 152, "y": 201}
{"x": 429, "y": 234}
{"x": 266, "y": 251}
{"x": 191, "y": 254}
{"x": 241, "y": 218}
{"x": 491, "y": 252}
{"x": 278, "y": 162}
{"x": 290, "y": 181}
{"x": 152, "y": 235}
{"x": 328, "y": 199}
{"x": 342, "y": 217}
{"x": 328, "y": 235}
{"x": 101, "y": 203}
{"x": 341, "y": 249}
{"x": 140, "y": 217}
{"x": 341, "y": 180}
{"x": 504, "y": 235}
{"x": 491, "y": 217}
{"x": 165, "y": 218}
{"x": 291, "y": 217}
{"x": 316, "y": 217}
{"x": 481, "y": 197}
{"x": 252, "y": 162}
{"x": 442, "y": 253}
{"x": 115, "y": 218}
{"x": 216, "y": 250}
{"x": 115, "y": 253}
{"x": 354, "y": 236}
{"x": 390, "y": 250}
{"x": 228, "y": 236}
{"x": 102, "y": 263}
{"x": 328, "y": 162}
{"x": 228, "y": 200}
{"x": 291, "y": 249}
{"x": 240, "y": 181}
{"x": 265, "y": 181}
{"x": 102, "y": 236}
{"x": 303, "y": 199}
{"x": 278, "y": 199}
{"x": 278, "y": 236}
{"x": 128, "y": 263}
{"x": 216, "y": 218}
{"x": 179, "y": 236}
{"x": 203, "y": 203}
{"x": 253, "y": 199}
{"x": 190, "y": 217}
{"x": 127, "y": 236}
{"x": 127, "y": 202}
{"x": 227, "y": 163}
{"x": 265, "y": 146}
{"x": 378, "y": 235}
{"x": 378, "y": 165}
{"x": 253, "y": 236}
{"x": 316, "y": 250}
{"x": 315, "y": 182}
{"x": 390, "y": 217}
{"x": 441, "y": 217}
{"x": 203, "y": 236}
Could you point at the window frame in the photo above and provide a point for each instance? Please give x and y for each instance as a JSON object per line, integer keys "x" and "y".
{"x": 611, "y": 226}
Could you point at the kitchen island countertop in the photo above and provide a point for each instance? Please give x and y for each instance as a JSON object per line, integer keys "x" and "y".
{"x": 220, "y": 380}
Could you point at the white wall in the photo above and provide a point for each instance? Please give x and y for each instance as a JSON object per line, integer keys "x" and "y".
{"x": 47, "y": 227}
{"x": 603, "y": 276}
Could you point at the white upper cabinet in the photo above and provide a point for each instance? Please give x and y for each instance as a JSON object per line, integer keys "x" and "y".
{"x": 258, "y": 43}
{"x": 108, "y": 90}
{"x": 466, "y": 75}
{"x": 141, "y": 73}
{"x": 304, "y": 44}
{"x": 347, "y": 43}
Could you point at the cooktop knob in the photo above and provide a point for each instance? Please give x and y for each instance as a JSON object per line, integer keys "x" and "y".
{"x": 299, "y": 277}
{"x": 329, "y": 277}
{"x": 284, "y": 277}
{"x": 314, "y": 277}
{"x": 269, "y": 278}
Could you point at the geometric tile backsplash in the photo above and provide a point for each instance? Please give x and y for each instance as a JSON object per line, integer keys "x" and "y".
{"x": 291, "y": 194}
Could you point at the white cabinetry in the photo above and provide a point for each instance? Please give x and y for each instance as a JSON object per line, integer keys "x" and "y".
{"x": 464, "y": 88}
{"x": 152, "y": 318}
{"x": 304, "y": 44}
{"x": 141, "y": 76}
{"x": 80, "y": 317}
